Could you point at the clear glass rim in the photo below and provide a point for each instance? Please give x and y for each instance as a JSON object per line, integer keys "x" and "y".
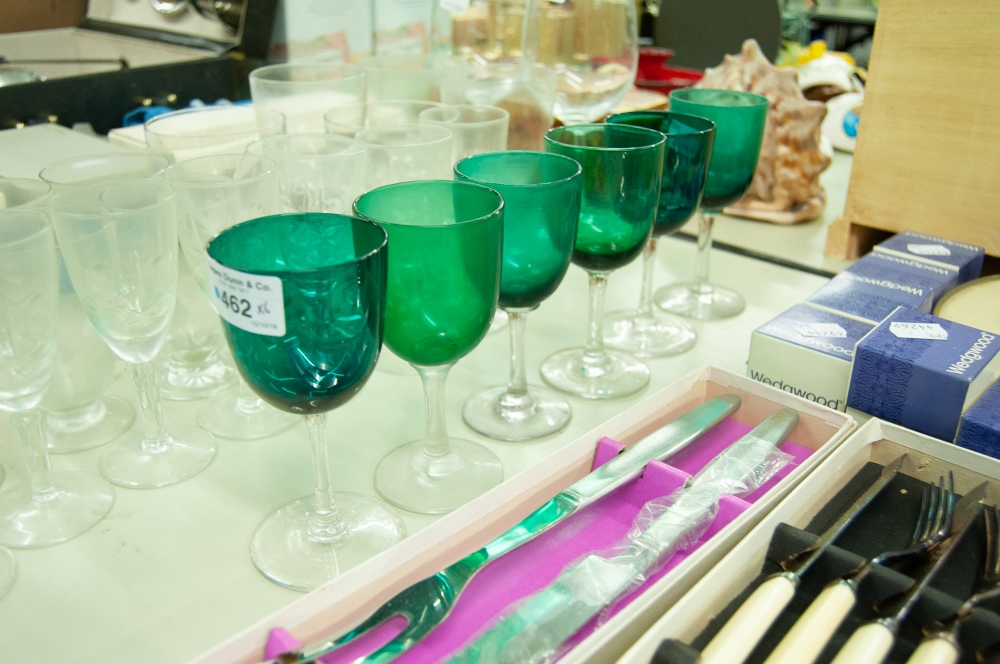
{"x": 76, "y": 165}
{"x": 44, "y": 226}
{"x": 278, "y": 73}
{"x": 685, "y": 95}
{"x": 392, "y": 61}
{"x": 159, "y": 125}
{"x": 185, "y": 173}
{"x": 541, "y": 156}
{"x": 707, "y": 128}
{"x": 330, "y": 121}
{"x": 63, "y": 204}
{"x": 34, "y": 188}
{"x": 424, "y": 183}
{"x": 500, "y": 113}
{"x": 356, "y": 147}
{"x": 656, "y": 138}
{"x": 443, "y": 134}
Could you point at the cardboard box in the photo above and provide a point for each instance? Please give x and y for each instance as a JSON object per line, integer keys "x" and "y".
{"x": 964, "y": 259}
{"x": 922, "y": 371}
{"x": 934, "y": 279}
{"x": 979, "y": 429}
{"x": 695, "y": 617}
{"x": 807, "y": 351}
{"x": 342, "y": 603}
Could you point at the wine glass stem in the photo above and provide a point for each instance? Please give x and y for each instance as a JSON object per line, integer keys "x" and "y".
{"x": 147, "y": 390}
{"x": 517, "y": 385}
{"x": 646, "y": 293}
{"x": 246, "y": 401}
{"x": 28, "y": 430}
{"x": 326, "y": 525}
{"x": 595, "y": 337}
{"x": 436, "y": 443}
{"x": 701, "y": 262}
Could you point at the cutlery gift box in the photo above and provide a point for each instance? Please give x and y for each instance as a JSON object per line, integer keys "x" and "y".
{"x": 345, "y": 601}
{"x": 885, "y": 524}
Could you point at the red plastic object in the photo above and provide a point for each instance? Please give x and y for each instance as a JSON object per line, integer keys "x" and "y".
{"x": 655, "y": 75}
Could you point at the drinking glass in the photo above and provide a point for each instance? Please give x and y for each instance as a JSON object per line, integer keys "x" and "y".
{"x": 317, "y": 172}
{"x": 622, "y": 166}
{"x": 594, "y": 47}
{"x": 325, "y": 276}
{"x": 8, "y": 571}
{"x": 646, "y": 332}
{"x": 421, "y": 77}
{"x": 475, "y": 129}
{"x": 119, "y": 241}
{"x": 303, "y": 91}
{"x": 739, "y": 119}
{"x": 444, "y": 278}
{"x": 403, "y": 153}
{"x": 541, "y": 193}
{"x": 199, "y": 132}
{"x": 526, "y": 91}
{"x": 50, "y": 507}
{"x": 91, "y": 169}
{"x": 214, "y": 193}
{"x": 349, "y": 119}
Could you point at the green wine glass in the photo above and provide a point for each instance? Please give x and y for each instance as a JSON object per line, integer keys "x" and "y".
{"x": 740, "y": 118}
{"x": 644, "y": 331}
{"x": 622, "y": 166}
{"x": 444, "y": 279}
{"x": 541, "y": 193}
{"x": 302, "y": 297}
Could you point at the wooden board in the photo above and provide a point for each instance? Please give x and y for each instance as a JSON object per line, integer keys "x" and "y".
{"x": 928, "y": 150}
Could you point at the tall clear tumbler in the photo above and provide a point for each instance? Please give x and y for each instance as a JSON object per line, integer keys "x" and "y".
{"x": 304, "y": 91}
{"x": 120, "y": 244}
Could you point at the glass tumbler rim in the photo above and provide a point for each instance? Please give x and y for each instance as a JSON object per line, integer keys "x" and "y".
{"x": 28, "y": 237}
{"x": 654, "y": 137}
{"x": 355, "y": 146}
{"x": 422, "y": 183}
{"x": 154, "y": 125}
{"x": 707, "y": 127}
{"x": 175, "y": 172}
{"x": 367, "y": 132}
{"x": 50, "y": 174}
{"x": 277, "y": 73}
{"x": 543, "y": 156}
{"x": 686, "y": 94}
{"x": 499, "y": 113}
{"x": 63, "y": 204}
{"x": 298, "y": 272}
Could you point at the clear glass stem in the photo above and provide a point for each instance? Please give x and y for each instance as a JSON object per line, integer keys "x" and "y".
{"x": 326, "y": 525}
{"x": 646, "y": 292}
{"x": 594, "y": 349}
{"x": 517, "y": 395}
{"x": 147, "y": 389}
{"x": 247, "y": 402}
{"x": 701, "y": 262}
{"x": 436, "y": 444}
{"x": 29, "y": 432}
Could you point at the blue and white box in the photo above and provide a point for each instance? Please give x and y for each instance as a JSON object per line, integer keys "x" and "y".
{"x": 869, "y": 299}
{"x": 807, "y": 352}
{"x": 966, "y": 260}
{"x": 922, "y": 372}
{"x": 934, "y": 278}
{"x": 979, "y": 429}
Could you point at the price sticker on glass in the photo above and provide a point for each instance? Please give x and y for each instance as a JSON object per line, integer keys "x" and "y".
{"x": 251, "y": 302}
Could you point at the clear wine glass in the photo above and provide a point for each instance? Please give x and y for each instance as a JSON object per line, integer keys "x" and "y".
{"x": 50, "y": 507}
{"x": 322, "y": 280}
{"x": 621, "y": 185}
{"x": 541, "y": 194}
{"x": 444, "y": 278}
{"x": 214, "y": 193}
{"x": 120, "y": 244}
{"x": 645, "y": 331}
{"x": 740, "y": 118}
{"x": 317, "y": 172}
{"x": 594, "y": 47}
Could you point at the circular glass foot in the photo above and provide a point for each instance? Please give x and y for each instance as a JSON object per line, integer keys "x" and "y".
{"x": 608, "y": 375}
{"x": 645, "y": 335}
{"x": 283, "y": 551}
{"x": 75, "y": 502}
{"x": 699, "y": 301}
{"x": 184, "y": 453}
{"x": 496, "y": 413}
{"x": 240, "y": 415}
{"x": 410, "y": 478}
{"x": 189, "y": 381}
{"x": 390, "y": 363}
{"x": 101, "y": 423}
{"x": 8, "y": 571}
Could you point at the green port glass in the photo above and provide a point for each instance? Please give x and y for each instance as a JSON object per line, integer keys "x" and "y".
{"x": 445, "y": 243}
{"x": 541, "y": 193}
{"x": 622, "y": 166}
{"x": 331, "y": 271}
{"x": 645, "y": 331}
{"x": 740, "y": 119}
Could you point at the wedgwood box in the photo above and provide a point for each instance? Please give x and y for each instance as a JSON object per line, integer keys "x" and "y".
{"x": 697, "y": 616}
{"x": 965, "y": 260}
{"x": 922, "y": 372}
{"x": 979, "y": 429}
{"x": 342, "y": 603}
{"x": 935, "y": 278}
{"x": 807, "y": 352}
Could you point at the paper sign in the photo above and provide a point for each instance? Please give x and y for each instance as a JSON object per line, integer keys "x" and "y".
{"x": 454, "y": 6}
{"x": 928, "y": 249}
{"x": 831, "y": 330}
{"x": 251, "y": 302}
{"x": 918, "y": 331}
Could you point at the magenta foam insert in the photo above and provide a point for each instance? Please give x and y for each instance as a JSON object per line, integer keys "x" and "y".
{"x": 601, "y": 526}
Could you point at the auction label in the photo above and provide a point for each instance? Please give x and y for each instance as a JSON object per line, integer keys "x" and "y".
{"x": 251, "y": 302}
{"x": 918, "y": 331}
{"x": 928, "y": 249}
{"x": 828, "y": 330}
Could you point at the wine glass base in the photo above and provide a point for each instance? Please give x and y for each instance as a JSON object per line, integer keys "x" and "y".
{"x": 118, "y": 417}
{"x": 282, "y": 550}
{"x": 192, "y": 383}
{"x": 410, "y": 479}
{"x": 699, "y": 301}
{"x": 186, "y": 452}
{"x": 75, "y": 503}
{"x": 615, "y": 375}
{"x": 648, "y": 335}
{"x": 8, "y": 571}
{"x": 542, "y": 413}
{"x": 237, "y": 416}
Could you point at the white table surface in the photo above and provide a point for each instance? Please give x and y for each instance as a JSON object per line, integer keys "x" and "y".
{"x": 167, "y": 575}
